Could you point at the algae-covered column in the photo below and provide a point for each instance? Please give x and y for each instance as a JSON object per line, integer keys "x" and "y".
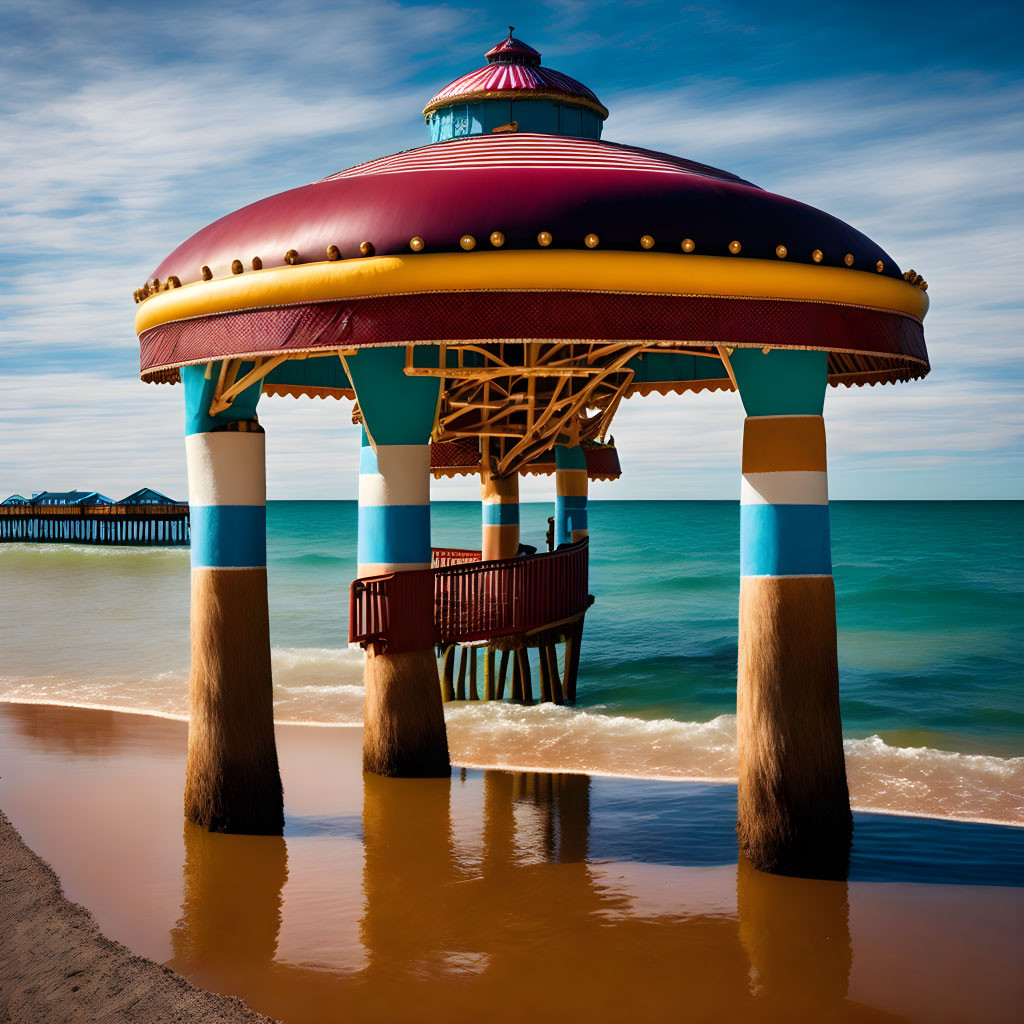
{"x": 570, "y": 494}
{"x": 499, "y": 497}
{"x": 403, "y": 732}
{"x": 232, "y": 780}
{"x": 794, "y": 809}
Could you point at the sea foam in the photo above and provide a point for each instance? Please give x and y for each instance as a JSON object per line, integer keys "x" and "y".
{"x": 324, "y": 686}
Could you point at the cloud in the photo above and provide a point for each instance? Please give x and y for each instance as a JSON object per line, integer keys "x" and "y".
{"x": 125, "y": 130}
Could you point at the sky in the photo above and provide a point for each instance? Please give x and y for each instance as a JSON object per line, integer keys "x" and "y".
{"x": 124, "y": 128}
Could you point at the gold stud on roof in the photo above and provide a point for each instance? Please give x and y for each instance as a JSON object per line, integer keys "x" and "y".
{"x": 734, "y": 247}
{"x": 207, "y": 274}
{"x": 257, "y": 263}
{"x": 591, "y": 240}
{"x": 467, "y": 242}
{"x": 817, "y": 255}
{"x": 689, "y": 245}
{"x": 497, "y": 239}
{"x": 291, "y": 257}
{"x": 781, "y": 251}
{"x": 848, "y": 259}
{"x": 544, "y": 238}
{"x": 366, "y": 249}
{"x": 333, "y": 253}
{"x": 647, "y": 242}
{"x": 416, "y": 243}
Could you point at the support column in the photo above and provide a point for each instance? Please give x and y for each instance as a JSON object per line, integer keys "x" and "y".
{"x": 499, "y": 498}
{"x": 794, "y": 809}
{"x": 232, "y": 781}
{"x": 570, "y": 495}
{"x": 403, "y": 732}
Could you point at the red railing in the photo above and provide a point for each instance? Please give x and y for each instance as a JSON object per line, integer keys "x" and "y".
{"x": 472, "y": 601}
{"x": 441, "y": 558}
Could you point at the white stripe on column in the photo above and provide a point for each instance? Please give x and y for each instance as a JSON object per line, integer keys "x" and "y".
{"x": 227, "y": 467}
{"x": 402, "y": 477}
{"x": 790, "y": 487}
{"x": 382, "y": 568}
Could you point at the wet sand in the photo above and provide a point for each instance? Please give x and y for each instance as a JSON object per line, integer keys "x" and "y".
{"x": 506, "y": 896}
{"x": 56, "y": 966}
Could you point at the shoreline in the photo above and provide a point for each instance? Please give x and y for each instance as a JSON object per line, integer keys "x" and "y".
{"x": 57, "y": 965}
{"x": 855, "y": 806}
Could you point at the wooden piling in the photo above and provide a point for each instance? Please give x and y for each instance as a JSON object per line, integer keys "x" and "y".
{"x": 572, "y": 659}
{"x": 460, "y": 689}
{"x": 551, "y": 655}
{"x": 543, "y": 672}
{"x": 447, "y": 674}
{"x": 488, "y": 673}
{"x": 473, "y": 693}
{"x": 523, "y": 660}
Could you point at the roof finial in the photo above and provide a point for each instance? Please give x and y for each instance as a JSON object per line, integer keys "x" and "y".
{"x": 511, "y": 29}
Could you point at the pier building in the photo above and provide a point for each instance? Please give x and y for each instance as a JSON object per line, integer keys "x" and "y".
{"x": 502, "y": 290}
{"x": 88, "y": 517}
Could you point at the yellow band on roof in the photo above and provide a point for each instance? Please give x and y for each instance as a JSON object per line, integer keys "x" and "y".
{"x": 633, "y": 273}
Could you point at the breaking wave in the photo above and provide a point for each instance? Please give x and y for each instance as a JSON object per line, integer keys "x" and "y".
{"x": 323, "y": 686}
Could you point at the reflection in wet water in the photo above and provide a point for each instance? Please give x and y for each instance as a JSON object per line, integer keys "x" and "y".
{"x": 521, "y": 926}
{"x": 231, "y": 905}
{"x": 506, "y": 896}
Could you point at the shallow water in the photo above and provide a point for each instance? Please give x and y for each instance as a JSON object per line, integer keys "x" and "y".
{"x": 508, "y": 896}
{"x": 930, "y": 645}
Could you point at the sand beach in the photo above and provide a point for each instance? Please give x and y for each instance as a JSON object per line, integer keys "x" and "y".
{"x": 495, "y": 895}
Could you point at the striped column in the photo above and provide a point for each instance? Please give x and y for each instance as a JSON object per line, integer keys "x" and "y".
{"x": 232, "y": 778}
{"x": 499, "y": 497}
{"x": 793, "y": 809}
{"x": 570, "y": 495}
{"x": 403, "y": 726}
{"x": 394, "y": 507}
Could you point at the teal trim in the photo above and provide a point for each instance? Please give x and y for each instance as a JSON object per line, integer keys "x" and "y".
{"x": 394, "y": 534}
{"x": 784, "y": 540}
{"x": 396, "y": 409}
{"x": 570, "y": 458}
{"x": 199, "y": 393}
{"x": 481, "y": 117}
{"x": 658, "y": 367}
{"x": 315, "y": 373}
{"x": 229, "y": 536}
{"x": 506, "y": 514}
{"x": 780, "y": 383}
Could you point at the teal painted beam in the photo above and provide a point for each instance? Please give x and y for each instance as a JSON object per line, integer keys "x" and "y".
{"x": 397, "y": 409}
{"x": 781, "y": 383}
{"x": 199, "y": 390}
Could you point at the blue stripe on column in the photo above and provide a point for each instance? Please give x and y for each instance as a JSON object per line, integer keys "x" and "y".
{"x": 784, "y": 540}
{"x": 501, "y": 514}
{"x": 570, "y": 514}
{"x": 394, "y": 533}
{"x": 570, "y": 502}
{"x": 229, "y": 536}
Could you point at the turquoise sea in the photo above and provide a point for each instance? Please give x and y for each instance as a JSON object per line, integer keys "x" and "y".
{"x": 931, "y": 644}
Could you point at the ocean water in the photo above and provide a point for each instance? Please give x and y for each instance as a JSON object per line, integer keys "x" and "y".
{"x": 931, "y": 646}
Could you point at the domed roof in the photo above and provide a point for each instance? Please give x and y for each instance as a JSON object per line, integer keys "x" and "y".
{"x": 522, "y": 237}
{"x": 513, "y": 71}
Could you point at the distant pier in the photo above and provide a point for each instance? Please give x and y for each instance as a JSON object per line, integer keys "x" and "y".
{"x": 145, "y": 517}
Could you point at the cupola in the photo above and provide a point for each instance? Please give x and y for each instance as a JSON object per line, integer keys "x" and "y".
{"x": 512, "y": 92}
